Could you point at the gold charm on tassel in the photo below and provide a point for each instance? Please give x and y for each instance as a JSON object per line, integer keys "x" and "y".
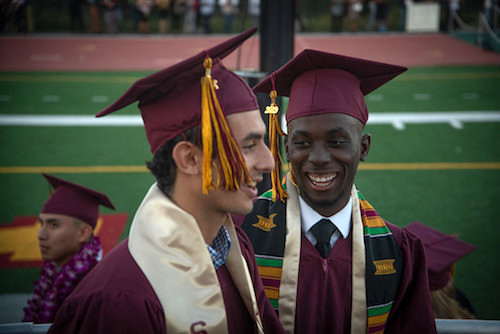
{"x": 273, "y": 107}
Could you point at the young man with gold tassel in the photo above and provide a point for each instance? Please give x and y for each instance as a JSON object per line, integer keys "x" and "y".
{"x": 185, "y": 268}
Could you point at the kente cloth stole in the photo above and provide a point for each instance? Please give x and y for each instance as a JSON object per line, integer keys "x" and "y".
{"x": 266, "y": 227}
{"x": 168, "y": 246}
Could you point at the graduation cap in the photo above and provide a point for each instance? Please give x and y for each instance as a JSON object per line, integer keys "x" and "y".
{"x": 173, "y": 100}
{"x": 74, "y": 200}
{"x": 442, "y": 251}
{"x": 319, "y": 82}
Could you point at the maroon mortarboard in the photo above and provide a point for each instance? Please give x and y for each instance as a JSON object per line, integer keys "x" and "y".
{"x": 170, "y": 100}
{"x": 442, "y": 251}
{"x": 74, "y": 200}
{"x": 318, "y": 83}
{"x": 197, "y": 91}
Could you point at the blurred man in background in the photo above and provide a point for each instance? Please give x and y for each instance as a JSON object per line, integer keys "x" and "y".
{"x": 443, "y": 251}
{"x": 67, "y": 244}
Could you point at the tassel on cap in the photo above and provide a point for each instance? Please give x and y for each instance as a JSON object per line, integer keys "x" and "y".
{"x": 232, "y": 169}
{"x": 274, "y": 131}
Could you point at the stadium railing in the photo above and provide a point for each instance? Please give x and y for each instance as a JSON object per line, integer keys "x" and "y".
{"x": 444, "y": 326}
{"x": 24, "y": 328}
{"x": 454, "y": 326}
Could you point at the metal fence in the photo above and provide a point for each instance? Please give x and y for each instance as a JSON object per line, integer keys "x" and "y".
{"x": 444, "y": 326}
{"x": 452, "y": 326}
{"x": 23, "y": 328}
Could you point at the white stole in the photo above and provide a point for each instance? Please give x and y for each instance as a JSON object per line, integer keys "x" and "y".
{"x": 168, "y": 246}
{"x": 290, "y": 270}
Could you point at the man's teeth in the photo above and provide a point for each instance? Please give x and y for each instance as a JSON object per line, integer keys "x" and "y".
{"x": 321, "y": 179}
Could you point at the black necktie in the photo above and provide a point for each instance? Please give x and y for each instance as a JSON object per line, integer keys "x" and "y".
{"x": 323, "y": 231}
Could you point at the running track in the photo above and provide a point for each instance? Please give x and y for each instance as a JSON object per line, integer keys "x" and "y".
{"x": 153, "y": 52}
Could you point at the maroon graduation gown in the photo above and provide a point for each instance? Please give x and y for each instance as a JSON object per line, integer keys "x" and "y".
{"x": 116, "y": 297}
{"x": 324, "y": 293}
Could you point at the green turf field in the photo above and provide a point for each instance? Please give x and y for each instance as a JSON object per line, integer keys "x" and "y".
{"x": 457, "y": 199}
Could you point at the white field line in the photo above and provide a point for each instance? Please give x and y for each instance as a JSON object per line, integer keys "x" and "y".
{"x": 398, "y": 120}
{"x": 454, "y": 119}
{"x": 69, "y": 120}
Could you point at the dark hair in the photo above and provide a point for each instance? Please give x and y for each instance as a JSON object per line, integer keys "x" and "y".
{"x": 163, "y": 166}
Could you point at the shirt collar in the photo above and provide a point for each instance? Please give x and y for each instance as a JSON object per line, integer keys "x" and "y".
{"x": 220, "y": 247}
{"x": 341, "y": 220}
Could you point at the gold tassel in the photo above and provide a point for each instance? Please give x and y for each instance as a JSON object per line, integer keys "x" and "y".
{"x": 232, "y": 169}
{"x": 274, "y": 131}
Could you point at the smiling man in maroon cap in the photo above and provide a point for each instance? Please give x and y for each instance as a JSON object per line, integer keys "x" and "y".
{"x": 67, "y": 245}
{"x": 185, "y": 267}
{"x": 329, "y": 262}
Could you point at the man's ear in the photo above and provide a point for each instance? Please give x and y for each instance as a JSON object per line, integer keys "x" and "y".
{"x": 366, "y": 140}
{"x": 84, "y": 232}
{"x": 188, "y": 158}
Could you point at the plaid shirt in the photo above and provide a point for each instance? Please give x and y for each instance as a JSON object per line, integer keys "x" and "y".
{"x": 220, "y": 247}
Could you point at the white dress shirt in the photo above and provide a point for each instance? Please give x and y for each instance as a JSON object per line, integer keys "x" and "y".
{"x": 341, "y": 220}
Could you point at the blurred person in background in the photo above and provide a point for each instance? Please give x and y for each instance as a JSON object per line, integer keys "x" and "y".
{"x": 372, "y": 13}
{"x": 491, "y": 11}
{"x": 178, "y": 9}
{"x": 14, "y": 16}
{"x": 443, "y": 251}
{"x": 144, "y": 8}
{"x": 337, "y": 10}
{"x": 94, "y": 16}
{"x": 67, "y": 243}
{"x": 254, "y": 12}
{"x": 190, "y": 16}
{"x": 354, "y": 9}
{"x": 381, "y": 12}
{"x": 162, "y": 7}
{"x": 134, "y": 14}
{"x": 207, "y": 9}
{"x": 229, "y": 9}
{"x": 402, "y": 15}
{"x": 111, "y": 14}
{"x": 173, "y": 8}
{"x": 76, "y": 16}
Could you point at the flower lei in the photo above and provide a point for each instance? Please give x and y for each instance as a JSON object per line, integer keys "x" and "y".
{"x": 55, "y": 284}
